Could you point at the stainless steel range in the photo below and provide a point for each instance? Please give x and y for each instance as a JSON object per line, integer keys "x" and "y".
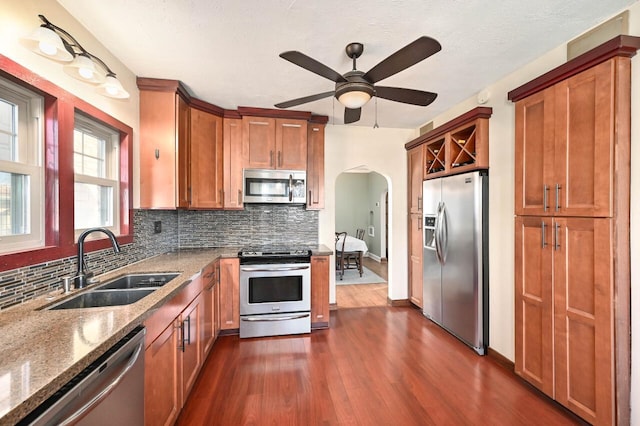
{"x": 275, "y": 291}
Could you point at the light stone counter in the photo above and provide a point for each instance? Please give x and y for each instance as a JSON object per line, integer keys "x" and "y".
{"x": 41, "y": 350}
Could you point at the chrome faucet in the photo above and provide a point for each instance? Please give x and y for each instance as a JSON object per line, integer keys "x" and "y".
{"x": 83, "y": 273}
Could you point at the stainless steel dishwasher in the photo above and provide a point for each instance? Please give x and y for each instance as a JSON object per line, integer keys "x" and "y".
{"x": 110, "y": 391}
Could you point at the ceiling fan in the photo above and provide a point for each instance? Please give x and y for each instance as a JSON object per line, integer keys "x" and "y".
{"x": 354, "y": 88}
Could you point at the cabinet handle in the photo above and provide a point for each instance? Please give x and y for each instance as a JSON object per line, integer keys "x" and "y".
{"x": 189, "y": 198}
{"x": 279, "y": 158}
{"x": 218, "y": 273}
{"x": 188, "y": 339}
{"x": 239, "y": 196}
{"x": 420, "y": 223}
{"x": 271, "y": 158}
{"x": 419, "y": 203}
{"x": 545, "y": 202}
{"x": 181, "y": 327}
{"x": 558, "y": 187}
{"x": 310, "y": 201}
{"x": 221, "y": 195}
{"x": 544, "y": 238}
{"x": 557, "y": 237}
{"x": 157, "y": 153}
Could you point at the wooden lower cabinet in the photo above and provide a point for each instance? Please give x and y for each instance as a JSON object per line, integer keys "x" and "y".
{"x": 319, "y": 291}
{"x": 162, "y": 381}
{"x": 189, "y": 352}
{"x": 210, "y": 314}
{"x": 229, "y": 283}
{"x": 564, "y": 312}
{"x": 415, "y": 259}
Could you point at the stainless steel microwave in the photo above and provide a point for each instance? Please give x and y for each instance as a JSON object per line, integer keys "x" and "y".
{"x": 275, "y": 186}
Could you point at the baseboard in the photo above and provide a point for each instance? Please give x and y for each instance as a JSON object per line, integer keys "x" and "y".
{"x": 333, "y": 306}
{"x": 319, "y": 325}
{"x": 373, "y": 257}
{"x": 501, "y": 360}
{"x": 398, "y": 302}
{"x": 229, "y": 332}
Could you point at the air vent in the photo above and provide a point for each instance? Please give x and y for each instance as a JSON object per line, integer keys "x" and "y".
{"x": 618, "y": 25}
{"x": 426, "y": 128}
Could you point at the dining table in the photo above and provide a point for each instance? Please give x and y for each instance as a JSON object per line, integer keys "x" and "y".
{"x": 351, "y": 244}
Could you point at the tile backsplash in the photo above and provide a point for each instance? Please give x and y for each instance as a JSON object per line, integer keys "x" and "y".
{"x": 256, "y": 225}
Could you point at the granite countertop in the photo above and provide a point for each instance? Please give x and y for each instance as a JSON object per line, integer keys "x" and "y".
{"x": 44, "y": 349}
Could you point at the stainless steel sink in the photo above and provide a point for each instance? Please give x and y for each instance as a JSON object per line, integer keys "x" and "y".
{"x": 102, "y": 298}
{"x": 123, "y": 290}
{"x": 134, "y": 281}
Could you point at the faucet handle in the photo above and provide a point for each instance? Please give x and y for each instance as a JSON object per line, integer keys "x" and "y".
{"x": 67, "y": 282}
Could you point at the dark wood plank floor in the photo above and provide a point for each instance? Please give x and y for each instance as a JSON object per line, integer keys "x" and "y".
{"x": 374, "y": 366}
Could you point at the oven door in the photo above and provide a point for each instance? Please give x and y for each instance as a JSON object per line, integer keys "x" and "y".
{"x": 275, "y": 288}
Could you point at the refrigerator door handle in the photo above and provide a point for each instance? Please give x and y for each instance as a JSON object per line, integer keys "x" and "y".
{"x": 436, "y": 234}
{"x": 444, "y": 233}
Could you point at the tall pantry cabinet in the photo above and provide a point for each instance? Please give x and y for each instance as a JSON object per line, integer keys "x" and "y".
{"x": 572, "y": 274}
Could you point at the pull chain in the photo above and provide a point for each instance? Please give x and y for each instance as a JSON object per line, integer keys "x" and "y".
{"x": 375, "y": 125}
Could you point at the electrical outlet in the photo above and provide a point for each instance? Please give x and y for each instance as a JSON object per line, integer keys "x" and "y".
{"x": 157, "y": 227}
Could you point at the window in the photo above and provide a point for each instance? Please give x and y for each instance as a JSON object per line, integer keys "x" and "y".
{"x": 96, "y": 169}
{"x": 21, "y": 171}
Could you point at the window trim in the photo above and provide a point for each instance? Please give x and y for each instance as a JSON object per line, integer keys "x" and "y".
{"x": 60, "y": 107}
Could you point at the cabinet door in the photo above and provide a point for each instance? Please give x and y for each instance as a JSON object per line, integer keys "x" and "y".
{"x": 206, "y": 160}
{"x": 258, "y": 142}
{"x": 158, "y": 113}
{"x": 183, "y": 148}
{"x": 291, "y": 144}
{"x": 191, "y": 320}
{"x": 415, "y": 158}
{"x": 229, "y": 270}
{"x": 415, "y": 259}
{"x": 209, "y": 310}
{"x": 315, "y": 167}
{"x": 162, "y": 382}
{"x": 584, "y": 143}
{"x": 584, "y": 318}
{"x": 232, "y": 151}
{"x": 534, "y": 302}
{"x": 534, "y": 153}
{"x": 319, "y": 291}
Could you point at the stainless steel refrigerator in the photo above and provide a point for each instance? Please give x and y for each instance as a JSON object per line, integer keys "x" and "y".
{"x": 455, "y": 266}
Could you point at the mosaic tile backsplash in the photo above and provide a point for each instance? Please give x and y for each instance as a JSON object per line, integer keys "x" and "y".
{"x": 256, "y": 225}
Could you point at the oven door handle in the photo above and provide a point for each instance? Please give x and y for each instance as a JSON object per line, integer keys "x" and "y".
{"x": 276, "y": 269}
{"x": 269, "y": 319}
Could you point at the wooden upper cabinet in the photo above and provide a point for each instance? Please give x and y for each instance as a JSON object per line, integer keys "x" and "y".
{"x": 315, "y": 166}
{"x": 274, "y": 143}
{"x": 164, "y": 150}
{"x": 564, "y": 149}
{"x": 415, "y": 159}
{"x": 258, "y": 142}
{"x": 534, "y": 153}
{"x": 206, "y": 166}
{"x": 232, "y": 149}
{"x": 291, "y": 144}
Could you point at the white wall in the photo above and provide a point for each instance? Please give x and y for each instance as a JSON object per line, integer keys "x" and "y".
{"x": 380, "y": 150}
{"x": 19, "y": 18}
{"x": 501, "y": 203}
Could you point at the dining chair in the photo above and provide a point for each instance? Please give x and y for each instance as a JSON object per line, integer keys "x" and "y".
{"x": 360, "y": 234}
{"x": 346, "y": 259}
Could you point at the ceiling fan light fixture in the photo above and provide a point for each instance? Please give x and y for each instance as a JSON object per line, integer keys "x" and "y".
{"x": 354, "y": 95}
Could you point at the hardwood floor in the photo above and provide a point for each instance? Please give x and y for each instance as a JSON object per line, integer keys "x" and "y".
{"x": 374, "y": 366}
{"x": 364, "y": 295}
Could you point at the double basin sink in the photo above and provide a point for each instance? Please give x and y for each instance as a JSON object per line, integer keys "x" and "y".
{"x": 119, "y": 291}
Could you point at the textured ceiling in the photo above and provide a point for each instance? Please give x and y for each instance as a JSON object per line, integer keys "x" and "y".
{"x": 226, "y": 52}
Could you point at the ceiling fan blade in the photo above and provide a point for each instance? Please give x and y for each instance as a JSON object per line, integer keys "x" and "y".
{"x": 312, "y": 65}
{"x": 407, "y": 96}
{"x": 352, "y": 115}
{"x": 304, "y": 100}
{"x": 409, "y": 55}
